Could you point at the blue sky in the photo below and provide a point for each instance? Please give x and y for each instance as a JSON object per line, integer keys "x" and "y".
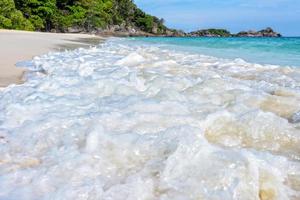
{"x": 234, "y": 15}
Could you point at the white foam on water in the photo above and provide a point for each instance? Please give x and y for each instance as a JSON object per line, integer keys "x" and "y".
{"x": 122, "y": 121}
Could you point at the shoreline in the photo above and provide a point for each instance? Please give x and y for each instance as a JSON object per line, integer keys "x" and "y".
{"x": 132, "y": 112}
{"x": 19, "y": 46}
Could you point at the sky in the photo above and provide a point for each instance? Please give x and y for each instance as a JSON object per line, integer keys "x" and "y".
{"x": 235, "y": 15}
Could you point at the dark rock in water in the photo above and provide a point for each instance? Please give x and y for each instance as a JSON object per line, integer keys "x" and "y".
{"x": 268, "y": 32}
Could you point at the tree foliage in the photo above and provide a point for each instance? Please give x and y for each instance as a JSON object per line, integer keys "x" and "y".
{"x": 212, "y": 32}
{"x": 11, "y": 18}
{"x": 219, "y": 32}
{"x": 88, "y": 15}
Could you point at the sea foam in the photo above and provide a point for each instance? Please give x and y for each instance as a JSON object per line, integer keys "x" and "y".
{"x": 125, "y": 121}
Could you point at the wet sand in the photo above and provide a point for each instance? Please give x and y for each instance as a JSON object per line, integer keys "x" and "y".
{"x": 22, "y": 45}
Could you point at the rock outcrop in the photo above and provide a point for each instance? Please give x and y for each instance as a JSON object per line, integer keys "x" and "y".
{"x": 132, "y": 31}
{"x": 210, "y": 33}
{"x": 268, "y": 32}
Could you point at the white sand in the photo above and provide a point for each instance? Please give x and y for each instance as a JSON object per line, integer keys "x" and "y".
{"x": 16, "y": 46}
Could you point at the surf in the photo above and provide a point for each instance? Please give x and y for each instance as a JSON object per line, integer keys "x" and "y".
{"x": 127, "y": 120}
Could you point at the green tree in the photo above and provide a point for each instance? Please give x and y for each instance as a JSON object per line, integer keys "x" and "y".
{"x": 98, "y": 14}
{"x": 37, "y": 22}
{"x": 145, "y": 23}
{"x": 88, "y": 15}
{"x": 11, "y": 18}
{"x": 125, "y": 9}
{"x": 37, "y": 10}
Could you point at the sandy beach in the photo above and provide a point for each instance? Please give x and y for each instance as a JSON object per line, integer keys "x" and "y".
{"x": 22, "y": 45}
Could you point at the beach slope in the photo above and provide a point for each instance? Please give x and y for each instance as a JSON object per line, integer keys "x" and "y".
{"x": 22, "y": 45}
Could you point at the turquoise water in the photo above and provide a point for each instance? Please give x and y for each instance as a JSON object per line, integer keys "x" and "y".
{"x": 278, "y": 51}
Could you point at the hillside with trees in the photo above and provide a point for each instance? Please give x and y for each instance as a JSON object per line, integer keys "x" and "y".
{"x": 211, "y": 33}
{"x": 112, "y": 17}
{"x": 78, "y": 16}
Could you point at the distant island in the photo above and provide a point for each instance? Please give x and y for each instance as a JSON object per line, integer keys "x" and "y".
{"x": 268, "y": 32}
{"x": 107, "y": 17}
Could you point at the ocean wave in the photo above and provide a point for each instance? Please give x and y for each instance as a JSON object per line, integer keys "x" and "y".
{"x": 127, "y": 121}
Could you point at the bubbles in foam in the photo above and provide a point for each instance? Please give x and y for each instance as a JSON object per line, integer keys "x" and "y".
{"x": 124, "y": 121}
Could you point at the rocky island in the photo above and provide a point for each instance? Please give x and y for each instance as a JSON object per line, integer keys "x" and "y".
{"x": 210, "y": 33}
{"x": 268, "y": 32}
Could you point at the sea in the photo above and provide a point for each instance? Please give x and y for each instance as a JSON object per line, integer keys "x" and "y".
{"x": 155, "y": 119}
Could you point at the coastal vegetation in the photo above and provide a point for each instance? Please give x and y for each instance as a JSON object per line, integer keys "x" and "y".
{"x": 11, "y": 18}
{"x": 114, "y": 17}
{"x": 77, "y": 15}
{"x": 211, "y": 32}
